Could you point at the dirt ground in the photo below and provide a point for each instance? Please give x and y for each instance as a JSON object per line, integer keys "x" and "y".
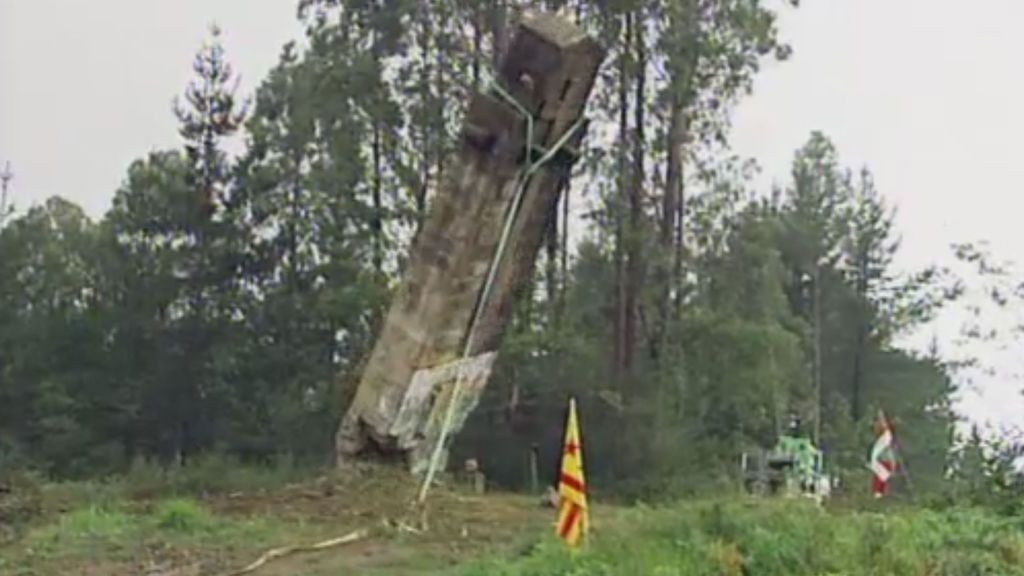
{"x": 454, "y": 527}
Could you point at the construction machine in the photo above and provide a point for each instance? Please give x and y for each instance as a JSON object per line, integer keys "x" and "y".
{"x": 793, "y": 467}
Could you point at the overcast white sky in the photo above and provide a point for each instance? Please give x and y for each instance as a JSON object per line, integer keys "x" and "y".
{"x": 925, "y": 92}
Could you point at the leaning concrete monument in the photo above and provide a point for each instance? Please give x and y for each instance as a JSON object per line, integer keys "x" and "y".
{"x": 476, "y": 249}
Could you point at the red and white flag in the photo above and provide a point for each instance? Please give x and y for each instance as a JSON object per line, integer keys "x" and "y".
{"x": 883, "y": 458}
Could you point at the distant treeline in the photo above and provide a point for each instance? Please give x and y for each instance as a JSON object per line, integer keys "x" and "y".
{"x": 225, "y": 304}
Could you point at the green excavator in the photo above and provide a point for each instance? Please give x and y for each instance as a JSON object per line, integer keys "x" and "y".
{"x": 794, "y": 467}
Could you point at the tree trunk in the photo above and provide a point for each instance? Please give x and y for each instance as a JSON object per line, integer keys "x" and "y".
{"x": 667, "y": 229}
{"x": 858, "y": 373}
{"x": 499, "y": 31}
{"x": 816, "y": 308}
{"x": 621, "y": 240}
{"x": 377, "y": 220}
{"x": 564, "y": 250}
{"x": 863, "y": 328}
{"x": 425, "y": 129}
{"x": 442, "y": 312}
{"x": 635, "y": 233}
{"x": 442, "y": 53}
{"x": 679, "y": 135}
{"x": 679, "y": 252}
{"x": 551, "y": 258}
{"x": 478, "y": 42}
{"x": 291, "y": 231}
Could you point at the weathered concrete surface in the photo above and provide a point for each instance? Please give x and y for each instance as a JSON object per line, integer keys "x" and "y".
{"x": 549, "y": 69}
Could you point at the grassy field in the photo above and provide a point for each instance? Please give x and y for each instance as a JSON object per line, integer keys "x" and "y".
{"x": 777, "y": 538}
{"x": 218, "y": 519}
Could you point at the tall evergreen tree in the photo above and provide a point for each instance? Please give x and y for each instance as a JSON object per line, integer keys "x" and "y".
{"x": 868, "y": 251}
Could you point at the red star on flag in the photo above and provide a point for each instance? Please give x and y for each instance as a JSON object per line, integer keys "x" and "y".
{"x": 573, "y": 517}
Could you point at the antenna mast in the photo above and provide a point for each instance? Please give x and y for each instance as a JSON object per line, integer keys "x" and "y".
{"x": 5, "y": 179}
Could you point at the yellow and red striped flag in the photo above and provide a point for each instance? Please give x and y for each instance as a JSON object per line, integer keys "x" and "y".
{"x": 573, "y": 517}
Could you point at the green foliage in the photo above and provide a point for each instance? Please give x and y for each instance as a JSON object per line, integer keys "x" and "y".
{"x": 91, "y": 523}
{"x": 985, "y": 471}
{"x": 21, "y": 505}
{"x": 740, "y": 355}
{"x": 116, "y": 533}
{"x": 223, "y": 306}
{"x": 182, "y": 515}
{"x": 783, "y": 538}
{"x": 207, "y": 474}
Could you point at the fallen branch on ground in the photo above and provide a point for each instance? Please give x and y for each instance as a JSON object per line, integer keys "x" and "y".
{"x": 288, "y": 550}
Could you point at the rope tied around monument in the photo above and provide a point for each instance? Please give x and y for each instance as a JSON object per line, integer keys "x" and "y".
{"x": 522, "y": 181}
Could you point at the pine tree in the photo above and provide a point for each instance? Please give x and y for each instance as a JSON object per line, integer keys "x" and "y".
{"x": 868, "y": 251}
{"x": 211, "y": 115}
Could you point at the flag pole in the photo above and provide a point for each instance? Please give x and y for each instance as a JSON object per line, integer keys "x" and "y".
{"x": 901, "y": 464}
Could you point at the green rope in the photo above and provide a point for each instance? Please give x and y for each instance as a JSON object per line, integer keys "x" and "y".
{"x": 523, "y": 178}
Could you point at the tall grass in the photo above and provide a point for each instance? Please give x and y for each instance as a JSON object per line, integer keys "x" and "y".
{"x": 184, "y": 516}
{"x": 34, "y": 500}
{"x": 781, "y": 538}
{"x": 208, "y": 474}
{"x": 123, "y": 533}
{"x": 204, "y": 475}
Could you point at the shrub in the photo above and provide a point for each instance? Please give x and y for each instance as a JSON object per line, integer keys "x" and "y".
{"x": 20, "y": 504}
{"x": 183, "y": 515}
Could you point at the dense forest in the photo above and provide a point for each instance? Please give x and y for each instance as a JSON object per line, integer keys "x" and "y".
{"x": 224, "y": 304}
